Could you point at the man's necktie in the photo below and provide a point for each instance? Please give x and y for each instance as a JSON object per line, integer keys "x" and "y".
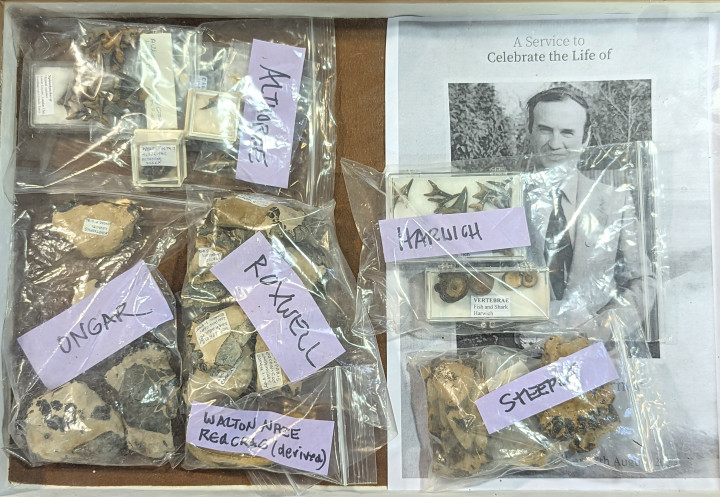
{"x": 558, "y": 247}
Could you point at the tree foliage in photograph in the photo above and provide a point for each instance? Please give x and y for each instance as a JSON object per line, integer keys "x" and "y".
{"x": 478, "y": 124}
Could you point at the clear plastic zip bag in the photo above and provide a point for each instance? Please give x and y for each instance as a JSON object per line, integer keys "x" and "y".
{"x": 568, "y": 400}
{"x": 588, "y": 223}
{"x": 285, "y": 141}
{"x": 295, "y": 319}
{"x": 89, "y": 85}
{"x": 91, "y": 350}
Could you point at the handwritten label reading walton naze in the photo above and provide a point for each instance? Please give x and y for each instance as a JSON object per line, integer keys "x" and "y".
{"x": 123, "y": 310}
{"x": 452, "y": 234}
{"x": 302, "y": 444}
{"x": 547, "y": 387}
{"x": 271, "y": 101}
{"x": 279, "y": 306}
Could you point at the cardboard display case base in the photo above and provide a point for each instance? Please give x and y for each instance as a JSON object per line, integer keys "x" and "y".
{"x": 360, "y": 115}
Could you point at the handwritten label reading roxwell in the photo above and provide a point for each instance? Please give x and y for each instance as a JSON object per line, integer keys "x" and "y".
{"x": 547, "y": 387}
{"x": 279, "y": 306}
{"x": 72, "y": 342}
{"x": 451, "y": 234}
{"x": 275, "y": 73}
{"x": 303, "y": 444}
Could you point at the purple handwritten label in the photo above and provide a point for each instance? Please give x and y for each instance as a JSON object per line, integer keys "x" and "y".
{"x": 547, "y": 387}
{"x": 75, "y": 340}
{"x": 302, "y": 444}
{"x": 452, "y": 234}
{"x": 271, "y": 101}
{"x": 279, "y": 306}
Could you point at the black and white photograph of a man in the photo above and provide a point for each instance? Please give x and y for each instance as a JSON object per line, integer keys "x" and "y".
{"x": 582, "y": 208}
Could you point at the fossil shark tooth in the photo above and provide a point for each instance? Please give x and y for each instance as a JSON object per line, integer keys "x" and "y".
{"x": 402, "y": 193}
{"x": 459, "y": 205}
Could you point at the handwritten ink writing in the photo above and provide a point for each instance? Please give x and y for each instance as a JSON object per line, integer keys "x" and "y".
{"x": 94, "y": 326}
{"x": 527, "y": 395}
{"x": 282, "y": 304}
{"x": 295, "y": 442}
{"x": 419, "y": 237}
{"x": 298, "y": 453}
{"x": 278, "y": 428}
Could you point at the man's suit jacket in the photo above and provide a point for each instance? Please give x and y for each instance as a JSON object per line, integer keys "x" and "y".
{"x": 608, "y": 262}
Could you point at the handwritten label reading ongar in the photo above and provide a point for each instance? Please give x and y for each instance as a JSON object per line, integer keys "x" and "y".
{"x": 303, "y": 444}
{"x": 451, "y": 234}
{"x": 547, "y": 387}
{"x": 279, "y": 306}
{"x": 275, "y": 73}
{"x": 72, "y": 342}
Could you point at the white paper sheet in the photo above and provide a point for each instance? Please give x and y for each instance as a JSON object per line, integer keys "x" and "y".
{"x": 677, "y": 57}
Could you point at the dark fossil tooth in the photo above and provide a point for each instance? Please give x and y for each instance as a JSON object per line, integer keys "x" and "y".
{"x": 459, "y": 205}
{"x": 402, "y": 193}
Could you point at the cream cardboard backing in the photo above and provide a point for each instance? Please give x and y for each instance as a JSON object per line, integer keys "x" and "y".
{"x": 13, "y": 11}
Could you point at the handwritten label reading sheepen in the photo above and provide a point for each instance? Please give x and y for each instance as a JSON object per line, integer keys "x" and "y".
{"x": 547, "y": 387}
{"x": 451, "y": 234}
{"x": 212, "y": 328}
{"x": 490, "y": 306}
{"x": 303, "y": 444}
{"x": 271, "y": 103}
{"x": 96, "y": 226}
{"x": 208, "y": 257}
{"x": 44, "y": 95}
{"x": 158, "y": 155}
{"x": 72, "y": 342}
{"x": 279, "y": 306}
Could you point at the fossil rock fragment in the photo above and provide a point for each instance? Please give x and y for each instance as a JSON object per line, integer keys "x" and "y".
{"x": 255, "y": 214}
{"x": 452, "y": 287}
{"x": 98, "y": 229}
{"x": 481, "y": 283}
{"x": 458, "y": 434}
{"x": 73, "y": 424}
{"x": 147, "y": 390}
{"x": 583, "y": 419}
{"x": 222, "y": 346}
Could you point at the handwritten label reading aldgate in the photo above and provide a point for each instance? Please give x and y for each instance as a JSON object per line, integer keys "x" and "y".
{"x": 44, "y": 95}
{"x": 452, "y": 234}
{"x": 490, "y": 306}
{"x": 303, "y": 444}
{"x": 72, "y": 342}
{"x": 275, "y": 73}
{"x": 279, "y": 306}
{"x": 158, "y": 155}
{"x": 212, "y": 328}
{"x": 547, "y": 387}
{"x": 96, "y": 226}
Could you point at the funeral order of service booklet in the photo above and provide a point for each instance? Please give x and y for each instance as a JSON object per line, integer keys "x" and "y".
{"x": 459, "y": 89}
